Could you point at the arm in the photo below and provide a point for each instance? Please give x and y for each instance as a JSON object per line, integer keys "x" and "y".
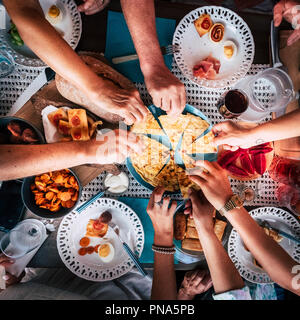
{"x": 18, "y": 161}
{"x": 234, "y": 135}
{"x": 274, "y": 260}
{"x": 45, "y": 41}
{"x": 224, "y": 274}
{"x": 164, "y": 279}
{"x": 165, "y": 89}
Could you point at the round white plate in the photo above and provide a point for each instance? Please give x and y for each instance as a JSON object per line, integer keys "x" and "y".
{"x": 243, "y": 259}
{"x": 90, "y": 267}
{"x": 70, "y": 25}
{"x": 194, "y": 48}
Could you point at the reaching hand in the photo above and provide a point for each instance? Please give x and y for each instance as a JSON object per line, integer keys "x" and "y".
{"x": 92, "y": 6}
{"x": 167, "y": 92}
{"x": 213, "y": 181}
{"x": 127, "y": 104}
{"x": 194, "y": 282}
{"x": 290, "y": 11}
{"x": 9, "y": 278}
{"x": 114, "y": 147}
{"x": 200, "y": 210}
{"x": 161, "y": 211}
{"x": 232, "y": 136}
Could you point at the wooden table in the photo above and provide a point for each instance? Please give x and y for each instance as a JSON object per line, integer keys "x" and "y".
{"x": 93, "y": 39}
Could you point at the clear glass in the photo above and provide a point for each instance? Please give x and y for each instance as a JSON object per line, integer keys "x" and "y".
{"x": 6, "y": 64}
{"x": 24, "y": 238}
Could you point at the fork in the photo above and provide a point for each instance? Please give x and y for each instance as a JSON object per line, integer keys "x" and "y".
{"x": 166, "y": 50}
{"x": 133, "y": 257}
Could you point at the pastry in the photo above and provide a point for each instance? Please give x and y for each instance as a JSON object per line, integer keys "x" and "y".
{"x": 203, "y": 24}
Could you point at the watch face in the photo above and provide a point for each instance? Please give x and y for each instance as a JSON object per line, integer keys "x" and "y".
{"x": 237, "y": 201}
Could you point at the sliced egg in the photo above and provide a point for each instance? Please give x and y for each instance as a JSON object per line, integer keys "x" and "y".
{"x": 106, "y": 252}
{"x": 229, "y": 49}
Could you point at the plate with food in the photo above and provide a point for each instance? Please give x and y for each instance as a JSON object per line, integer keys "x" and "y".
{"x": 62, "y": 15}
{"x": 89, "y": 247}
{"x": 249, "y": 268}
{"x": 186, "y": 239}
{"x": 172, "y": 145}
{"x": 216, "y": 47}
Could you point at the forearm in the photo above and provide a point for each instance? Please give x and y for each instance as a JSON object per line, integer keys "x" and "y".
{"x": 46, "y": 42}
{"x": 140, "y": 18}
{"x": 224, "y": 274}
{"x": 283, "y": 127}
{"x": 164, "y": 278}
{"x": 18, "y": 161}
{"x": 274, "y": 260}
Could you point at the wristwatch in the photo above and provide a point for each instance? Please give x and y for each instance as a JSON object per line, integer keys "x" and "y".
{"x": 235, "y": 202}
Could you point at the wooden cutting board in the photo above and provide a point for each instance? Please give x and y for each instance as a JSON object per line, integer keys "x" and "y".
{"x": 31, "y": 111}
{"x": 290, "y": 57}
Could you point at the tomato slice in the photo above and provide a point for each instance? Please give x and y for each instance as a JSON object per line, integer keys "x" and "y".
{"x": 75, "y": 121}
{"x": 98, "y": 225}
{"x": 77, "y": 134}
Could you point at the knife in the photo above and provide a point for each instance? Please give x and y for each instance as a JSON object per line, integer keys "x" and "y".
{"x": 45, "y": 76}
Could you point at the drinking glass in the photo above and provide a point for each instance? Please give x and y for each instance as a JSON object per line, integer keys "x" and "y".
{"x": 6, "y": 64}
{"x": 22, "y": 239}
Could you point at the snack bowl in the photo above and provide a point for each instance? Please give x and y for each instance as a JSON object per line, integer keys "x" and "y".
{"x": 29, "y": 199}
{"x": 4, "y": 121}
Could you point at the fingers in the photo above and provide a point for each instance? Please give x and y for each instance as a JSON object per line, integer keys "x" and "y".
{"x": 295, "y": 36}
{"x": 278, "y": 13}
{"x": 221, "y": 127}
{"x": 155, "y": 197}
{"x": 92, "y": 6}
{"x": 5, "y": 261}
{"x": 86, "y": 5}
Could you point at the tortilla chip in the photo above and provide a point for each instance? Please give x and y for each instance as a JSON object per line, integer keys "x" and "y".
{"x": 167, "y": 177}
{"x": 148, "y": 126}
{"x": 219, "y": 228}
{"x": 201, "y": 145}
{"x": 185, "y": 183}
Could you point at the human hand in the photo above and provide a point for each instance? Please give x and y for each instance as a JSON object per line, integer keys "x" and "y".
{"x": 194, "y": 282}
{"x": 167, "y": 92}
{"x": 113, "y": 147}
{"x": 213, "y": 181}
{"x": 290, "y": 11}
{"x": 125, "y": 103}
{"x": 161, "y": 213}
{"x": 233, "y": 136}
{"x": 9, "y": 278}
{"x": 200, "y": 210}
{"x": 92, "y": 6}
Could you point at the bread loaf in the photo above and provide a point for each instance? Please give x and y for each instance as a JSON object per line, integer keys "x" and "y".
{"x": 72, "y": 93}
{"x": 191, "y": 244}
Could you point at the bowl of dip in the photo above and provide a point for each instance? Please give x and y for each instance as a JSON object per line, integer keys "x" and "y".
{"x": 116, "y": 184}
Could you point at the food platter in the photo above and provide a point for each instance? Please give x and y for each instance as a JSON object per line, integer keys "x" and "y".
{"x": 243, "y": 259}
{"x": 90, "y": 267}
{"x": 176, "y": 154}
{"x": 70, "y": 27}
{"x": 193, "y": 48}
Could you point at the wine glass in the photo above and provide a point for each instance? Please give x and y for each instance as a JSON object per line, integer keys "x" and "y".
{"x": 22, "y": 239}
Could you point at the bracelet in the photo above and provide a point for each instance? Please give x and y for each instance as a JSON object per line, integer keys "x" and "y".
{"x": 163, "y": 250}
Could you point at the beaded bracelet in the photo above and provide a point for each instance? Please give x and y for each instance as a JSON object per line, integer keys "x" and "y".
{"x": 163, "y": 250}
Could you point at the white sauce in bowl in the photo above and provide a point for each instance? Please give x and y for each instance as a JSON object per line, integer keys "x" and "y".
{"x": 118, "y": 183}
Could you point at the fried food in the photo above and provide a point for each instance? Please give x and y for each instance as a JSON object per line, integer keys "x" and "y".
{"x": 180, "y": 226}
{"x": 148, "y": 126}
{"x": 191, "y": 244}
{"x": 203, "y": 24}
{"x": 54, "y": 190}
{"x": 95, "y": 228}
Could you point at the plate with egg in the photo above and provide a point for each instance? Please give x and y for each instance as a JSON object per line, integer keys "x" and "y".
{"x": 62, "y": 15}
{"x": 216, "y": 47}
{"x": 90, "y": 248}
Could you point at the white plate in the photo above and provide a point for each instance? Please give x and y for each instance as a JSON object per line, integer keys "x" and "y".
{"x": 70, "y": 25}
{"x": 243, "y": 259}
{"x": 194, "y": 48}
{"x": 73, "y": 227}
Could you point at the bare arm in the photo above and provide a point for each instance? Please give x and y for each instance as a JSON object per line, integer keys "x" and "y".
{"x": 224, "y": 274}
{"x": 164, "y": 279}
{"x": 46, "y": 42}
{"x": 18, "y": 161}
{"x": 166, "y": 90}
{"x": 274, "y": 260}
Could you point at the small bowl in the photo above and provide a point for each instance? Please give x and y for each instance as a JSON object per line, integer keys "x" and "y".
{"x": 5, "y": 120}
{"x": 29, "y": 202}
{"x": 117, "y": 193}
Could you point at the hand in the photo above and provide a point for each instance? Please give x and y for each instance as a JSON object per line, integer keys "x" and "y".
{"x": 232, "y": 136}
{"x": 9, "y": 278}
{"x": 161, "y": 213}
{"x": 213, "y": 181}
{"x": 194, "y": 282}
{"x": 127, "y": 104}
{"x": 200, "y": 210}
{"x": 92, "y": 6}
{"x": 114, "y": 147}
{"x": 290, "y": 11}
{"x": 167, "y": 92}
